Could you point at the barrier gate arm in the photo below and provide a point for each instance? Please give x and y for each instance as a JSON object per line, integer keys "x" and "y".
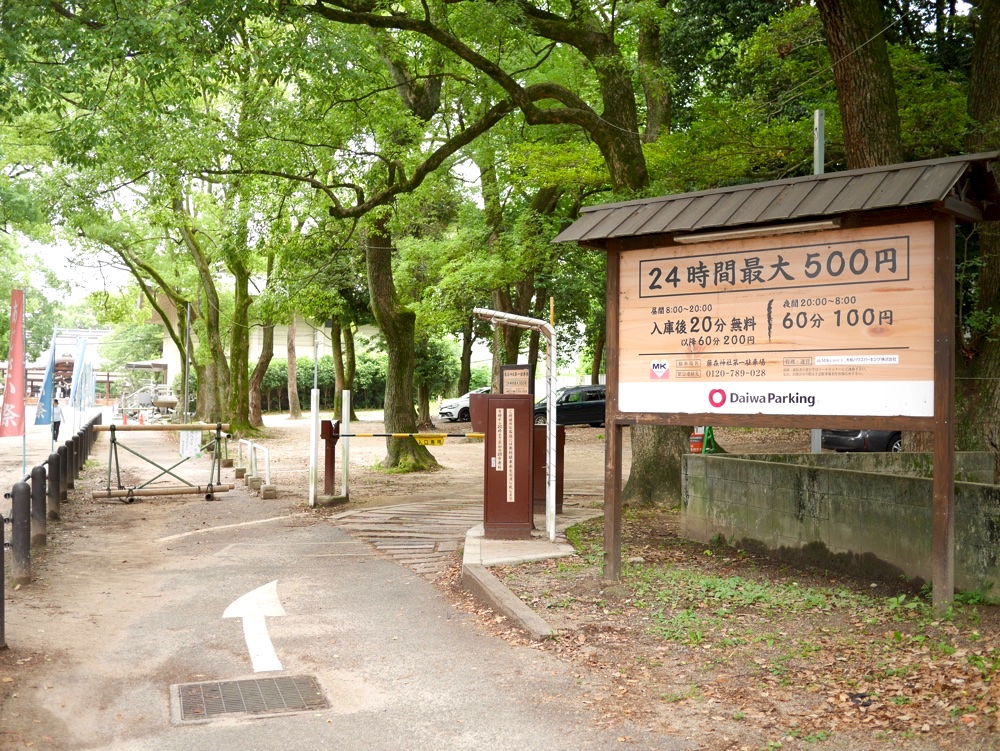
{"x": 499, "y": 318}
{"x": 215, "y": 472}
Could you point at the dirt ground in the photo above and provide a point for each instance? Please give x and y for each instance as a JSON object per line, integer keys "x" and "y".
{"x": 740, "y": 651}
{"x": 729, "y": 649}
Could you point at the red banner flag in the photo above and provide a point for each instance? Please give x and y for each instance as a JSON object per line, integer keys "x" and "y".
{"x": 12, "y": 416}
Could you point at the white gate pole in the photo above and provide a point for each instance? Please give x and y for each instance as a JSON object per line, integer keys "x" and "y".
{"x": 345, "y": 442}
{"x": 313, "y": 445}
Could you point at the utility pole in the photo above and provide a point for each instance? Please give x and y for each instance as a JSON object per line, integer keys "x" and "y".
{"x": 819, "y": 146}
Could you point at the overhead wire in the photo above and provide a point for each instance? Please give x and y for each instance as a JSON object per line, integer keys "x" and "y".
{"x": 779, "y": 101}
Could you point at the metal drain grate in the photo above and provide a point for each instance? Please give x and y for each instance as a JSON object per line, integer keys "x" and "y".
{"x": 202, "y": 701}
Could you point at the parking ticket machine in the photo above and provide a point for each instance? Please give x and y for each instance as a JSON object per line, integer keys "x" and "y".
{"x": 507, "y": 513}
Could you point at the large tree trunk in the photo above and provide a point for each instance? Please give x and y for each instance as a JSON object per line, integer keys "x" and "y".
{"x": 344, "y": 365}
{"x": 465, "y": 370}
{"x": 863, "y": 75}
{"x": 211, "y": 406}
{"x": 978, "y": 372}
{"x": 239, "y": 352}
{"x": 257, "y": 378}
{"x": 398, "y": 325}
{"x": 294, "y": 408}
{"x": 657, "y": 481}
{"x": 214, "y": 388}
{"x": 622, "y": 151}
{"x": 423, "y": 394}
{"x": 535, "y": 337}
{"x": 338, "y": 368}
{"x": 533, "y": 340}
{"x": 653, "y": 76}
{"x": 866, "y": 94}
{"x": 263, "y": 361}
{"x": 515, "y": 298}
{"x": 350, "y": 361}
{"x": 424, "y": 421}
{"x": 499, "y": 353}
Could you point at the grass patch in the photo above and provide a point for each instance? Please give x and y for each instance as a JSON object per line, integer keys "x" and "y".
{"x": 672, "y": 697}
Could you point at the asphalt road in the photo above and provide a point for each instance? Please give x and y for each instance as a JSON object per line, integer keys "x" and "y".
{"x": 131, "y": 604}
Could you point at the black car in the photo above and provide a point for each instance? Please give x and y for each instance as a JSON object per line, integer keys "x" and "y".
{"x": 576, "y": 405}
{"x": 862, "y": 440}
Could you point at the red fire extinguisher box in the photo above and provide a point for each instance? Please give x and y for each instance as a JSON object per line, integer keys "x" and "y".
{"x": 507, "y": 511}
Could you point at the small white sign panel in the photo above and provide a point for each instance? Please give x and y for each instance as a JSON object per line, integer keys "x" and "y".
{"x": 190, "y": 443}
{"x": 510, "y": 456}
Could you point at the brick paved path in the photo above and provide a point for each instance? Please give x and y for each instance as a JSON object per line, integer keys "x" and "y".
{"x": 425, "y": 537}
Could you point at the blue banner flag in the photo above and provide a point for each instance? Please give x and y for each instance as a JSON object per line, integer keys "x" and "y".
{"x": 43, "y": 415}
{"x": 90, "y": 386}
{"x": 78, "y": 387}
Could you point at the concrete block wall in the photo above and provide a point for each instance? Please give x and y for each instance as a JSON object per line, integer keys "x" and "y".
{"x": 970, "y": 466}
{"x": 870, "y": 522}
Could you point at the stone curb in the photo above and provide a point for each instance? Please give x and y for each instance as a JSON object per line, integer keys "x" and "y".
{"x": 485, "y": 586}
{"x": 480, "y": 553}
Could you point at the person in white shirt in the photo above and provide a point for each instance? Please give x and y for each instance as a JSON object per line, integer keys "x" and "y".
{"x": 57, "y": 417}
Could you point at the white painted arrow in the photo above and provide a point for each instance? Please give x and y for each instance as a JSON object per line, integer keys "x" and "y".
{"x": 253, "y": 608}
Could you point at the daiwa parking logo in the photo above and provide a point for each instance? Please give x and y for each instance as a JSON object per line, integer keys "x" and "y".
{"x": 718, "y": 398}
{"x": 659, "y": 370}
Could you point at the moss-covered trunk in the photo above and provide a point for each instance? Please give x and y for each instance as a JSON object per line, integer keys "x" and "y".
{"x": 398, "y": 325}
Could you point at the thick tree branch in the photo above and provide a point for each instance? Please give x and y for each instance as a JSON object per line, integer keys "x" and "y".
{"x": 140, "y": 271}
{"x": 576, "y": 32}
{"x": 583, "y": 116}
{"x": 397, "y": 187}
{"x": 63, "y": 11}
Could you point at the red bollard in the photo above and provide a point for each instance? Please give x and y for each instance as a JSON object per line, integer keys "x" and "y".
{"x": 329, "y": 431}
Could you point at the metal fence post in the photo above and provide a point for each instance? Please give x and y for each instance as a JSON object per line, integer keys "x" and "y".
{"x": 38, "y": 507}
{"x": 54, "y": 494}
{"x": 3, "y": 579}
{"x": 70, "y": 465}
{"x": 20, "y": 513}
{"x": 63, "y": 452}
{"x": 77, "y": 455}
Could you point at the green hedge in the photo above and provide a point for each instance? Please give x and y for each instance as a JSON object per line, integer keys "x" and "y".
{"x": 369, "y": 381}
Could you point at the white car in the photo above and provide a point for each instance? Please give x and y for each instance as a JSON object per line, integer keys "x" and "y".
{"x": 458, "y": 409}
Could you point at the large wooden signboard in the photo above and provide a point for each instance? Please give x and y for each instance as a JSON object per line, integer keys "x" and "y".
{"x": 833, "y": 323}
{"x": 819, "y": 302}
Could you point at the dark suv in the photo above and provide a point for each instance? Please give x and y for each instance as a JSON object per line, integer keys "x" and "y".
{"x": 576, "y": 405}
{"x": 862, "y": 440}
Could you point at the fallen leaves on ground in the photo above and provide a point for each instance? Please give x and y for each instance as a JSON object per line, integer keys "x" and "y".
{"x": 866, "y": 666}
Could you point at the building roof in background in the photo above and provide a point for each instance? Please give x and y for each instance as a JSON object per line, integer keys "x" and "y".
{"x": 147, "y": 365}
{"x": 962, "y": 185}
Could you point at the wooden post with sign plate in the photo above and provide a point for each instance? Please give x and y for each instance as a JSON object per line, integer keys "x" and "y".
{"x": 507, "y": 511}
